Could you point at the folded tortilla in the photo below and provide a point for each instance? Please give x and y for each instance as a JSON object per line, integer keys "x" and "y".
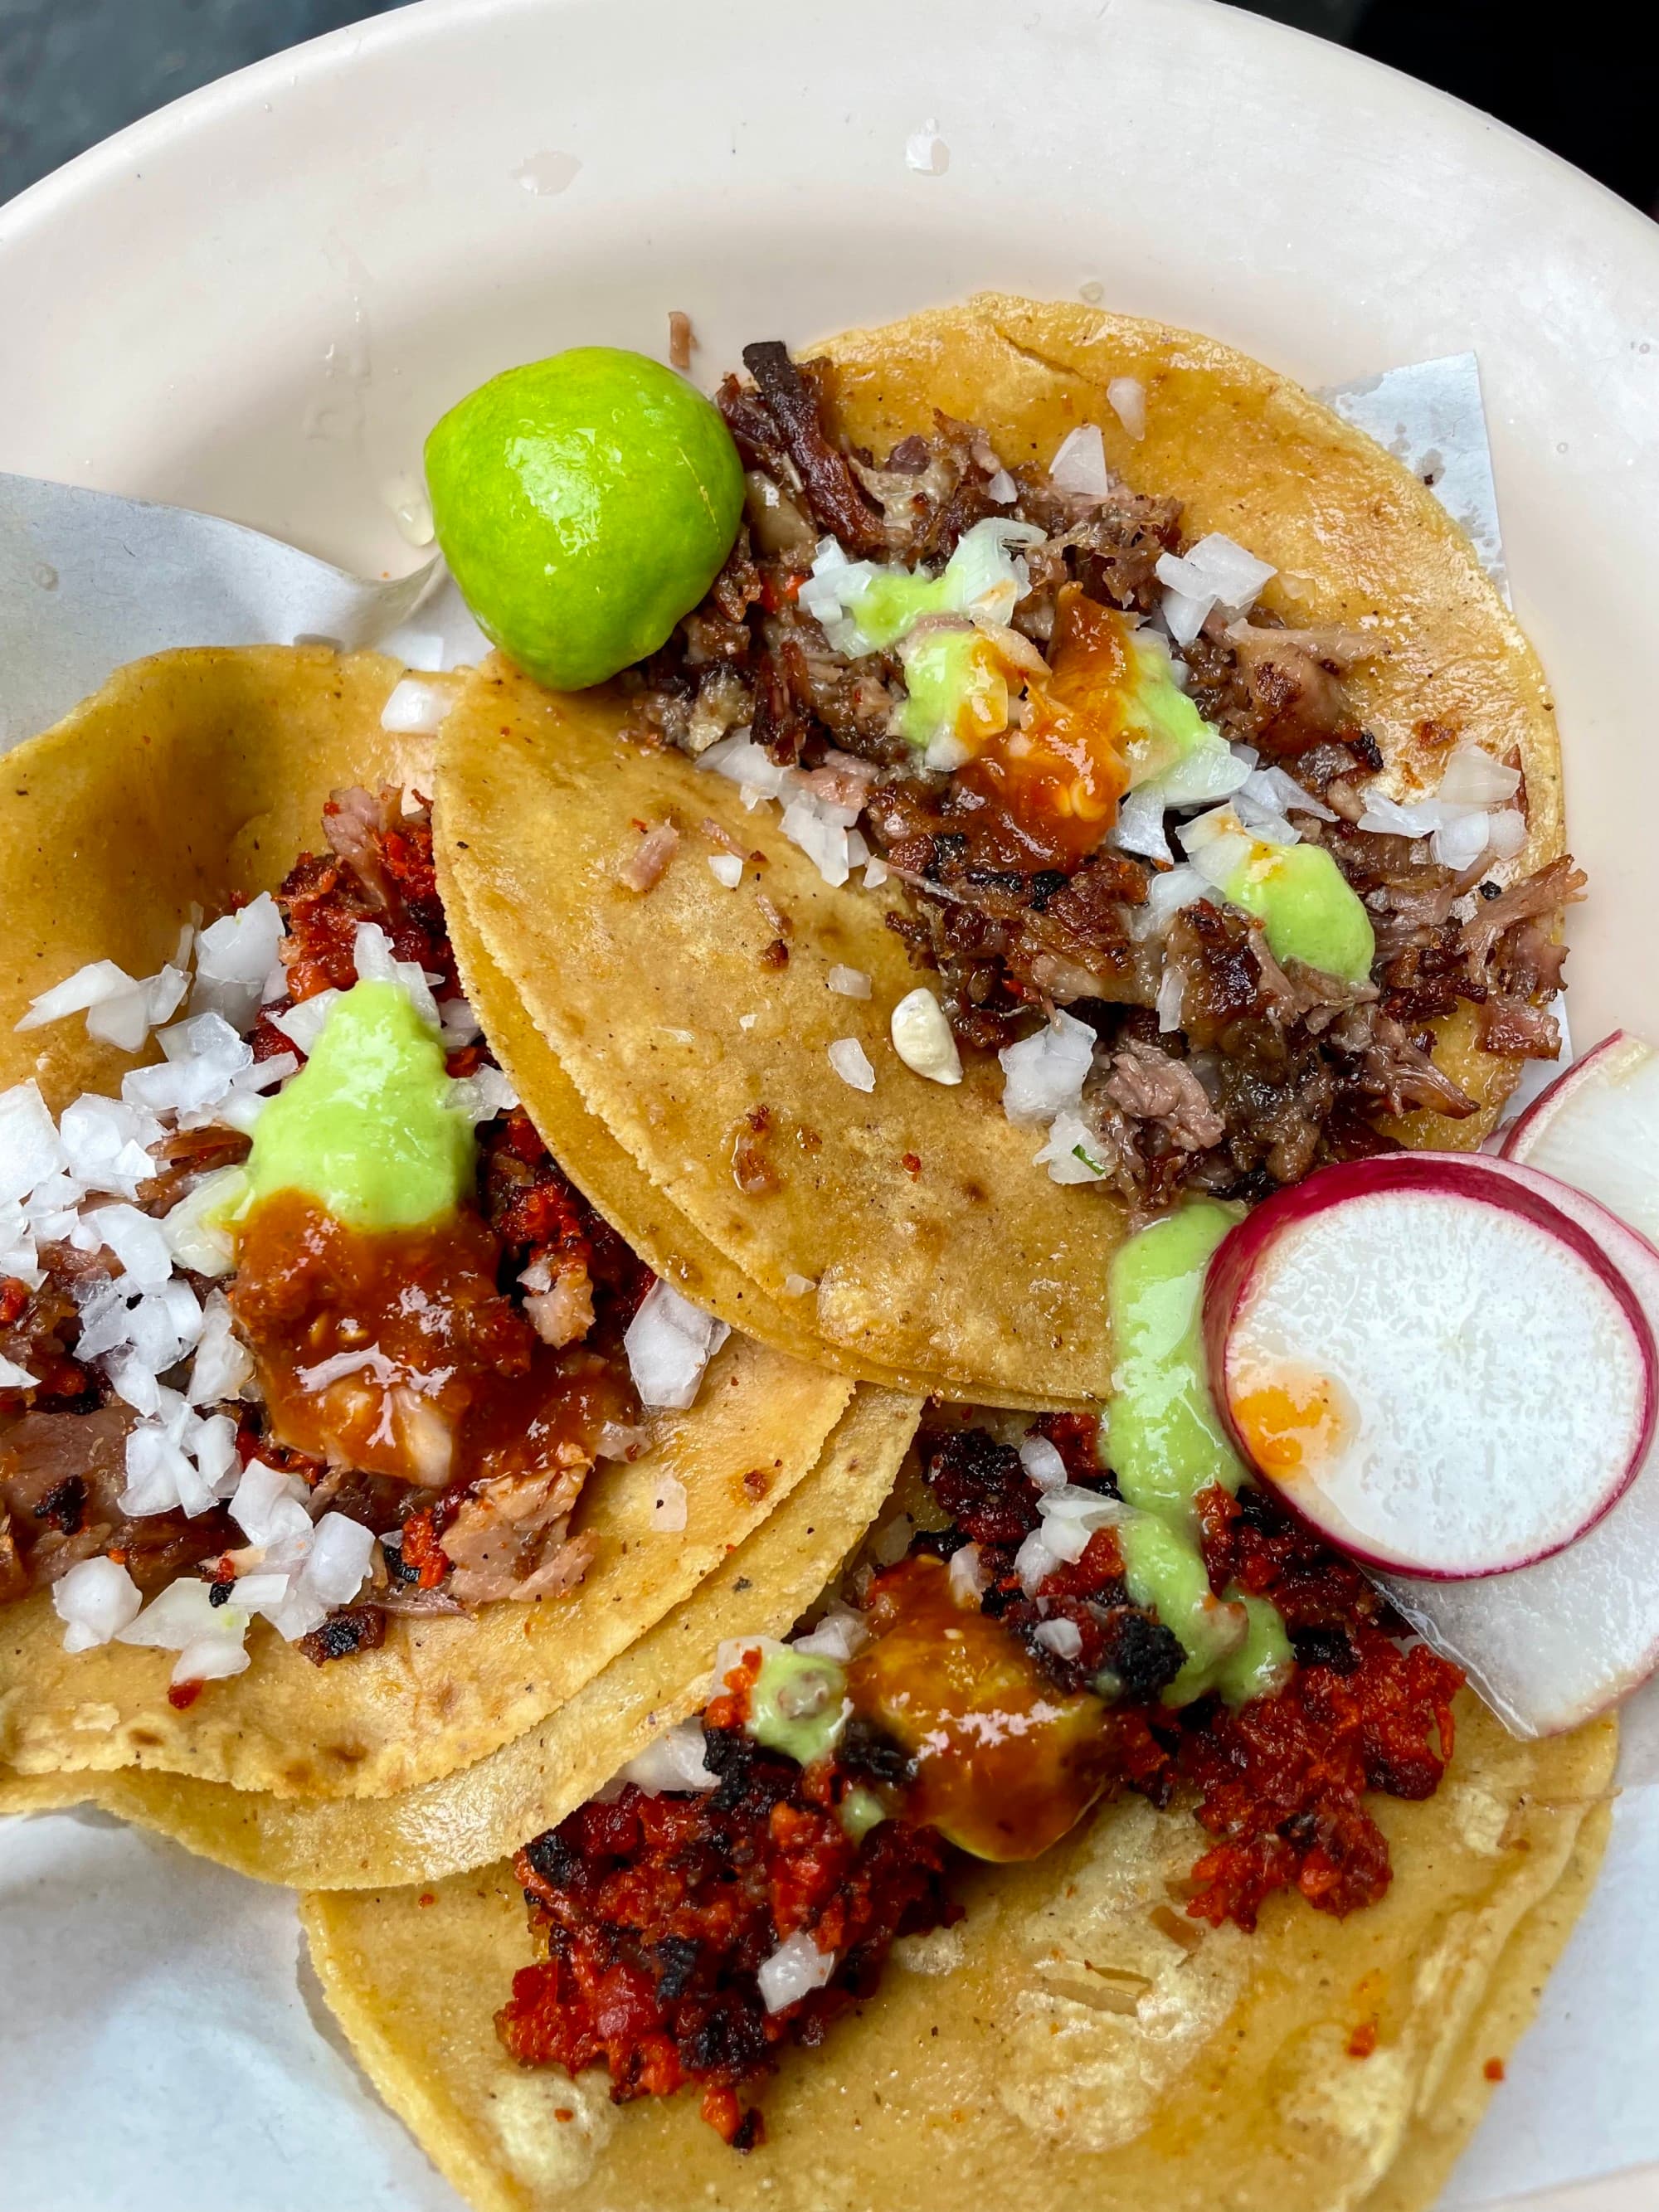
{"x": 1075, "y": 2035}
{"x": 191, "y": 778}
{"x": 483, "y": 1812}
{"x": 913, "y": 1239}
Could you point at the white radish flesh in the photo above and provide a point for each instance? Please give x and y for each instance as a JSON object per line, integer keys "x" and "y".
{"x": 1405, "y": 1348}
{"x": 1554, "y": 1643}
{"x": 1597, "y": 1128}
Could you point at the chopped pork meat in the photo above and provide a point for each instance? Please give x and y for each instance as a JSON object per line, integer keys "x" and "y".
{"x": 1277, "y": 1067}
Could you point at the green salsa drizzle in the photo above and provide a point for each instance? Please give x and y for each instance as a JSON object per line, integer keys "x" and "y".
{"x": 367, "y": 1127}
{"x": 1163, "y": 1440}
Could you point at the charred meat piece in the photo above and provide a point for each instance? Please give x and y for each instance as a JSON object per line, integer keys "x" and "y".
{"x": 792, "y": 399}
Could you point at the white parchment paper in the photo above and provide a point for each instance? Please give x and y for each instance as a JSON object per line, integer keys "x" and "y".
{"x": 163, "y": 2046}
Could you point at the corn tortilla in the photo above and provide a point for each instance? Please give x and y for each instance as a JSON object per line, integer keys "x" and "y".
{"x": 191, "y": 778}
{"x": 1058, "y": 2031}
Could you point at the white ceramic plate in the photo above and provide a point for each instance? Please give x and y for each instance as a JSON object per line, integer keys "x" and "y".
{"x": 257, "y": 301}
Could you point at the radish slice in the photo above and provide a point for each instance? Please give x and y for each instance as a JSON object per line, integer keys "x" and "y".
{"x": 1555, "y": 1643}
{"x": 1433, "y": 1365}
{"x": 1597, "y": 1128}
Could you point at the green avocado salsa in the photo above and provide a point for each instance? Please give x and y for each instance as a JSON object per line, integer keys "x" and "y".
{"x": 1161, "y": 1438}
{"x": 799, "y": 1704}
{"x": 1309, "y": 911}
{"x": 367, "y": 1128}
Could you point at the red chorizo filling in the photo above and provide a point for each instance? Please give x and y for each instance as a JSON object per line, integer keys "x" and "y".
{"x": 690, "y": 1938}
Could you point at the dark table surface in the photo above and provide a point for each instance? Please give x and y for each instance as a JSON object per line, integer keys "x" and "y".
{"x": 73, "y": 70}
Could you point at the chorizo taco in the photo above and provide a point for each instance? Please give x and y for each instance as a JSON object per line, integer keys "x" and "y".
{"x": 342, "y": 1442}
{"x": 984, "y": 1872}
{"x": 1074, "y": 792}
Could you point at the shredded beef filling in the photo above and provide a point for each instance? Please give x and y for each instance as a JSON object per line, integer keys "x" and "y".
{"x": 1278, "y": 1071}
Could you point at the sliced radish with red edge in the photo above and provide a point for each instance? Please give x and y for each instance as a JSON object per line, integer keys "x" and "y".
{"x": 1436, "y": 1366}
{"x": 1597, "y": 1128}
{"x": 1553, "y": 1644}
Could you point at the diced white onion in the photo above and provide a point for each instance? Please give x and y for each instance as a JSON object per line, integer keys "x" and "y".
{"x": 1042, "y": 1463}
{"x": 136, "y": 1240}
{"x": 415, "y": 708}
{"x": 195, "y": 1229}
{"x": 820, "y": 831}
{"x": 892, "y": 1540}
{"x": 1217, "y": 845}
{"x": 851, "y": 1063}
{"x": 234, "y": 957}
{"x": 1034, "y": 1561}
{"x": 1216, "y": 570}
{"x": 794, "y": 1970}
{"x": 483, "y": 1095}
{"x": 1063, "y": 1637}
{"x": 1473, "y": 778}
{"x": 373, "y": 958}
{"x": 107, "y": 1144}
{"x": 967, "y": 1577}
{"x": 1140, "y": 824}
{"x": 338, "y": 1564}
{"x": 923, "y": 1037}
{"x": 1166, "y": 894}
{"x": 726, "y": 868}
{"x": 1079, "y": 464}
{"x": 1506, "y": 832}
{"x": 1044, "y": 1074}
{"x": 459, "y": 1024}
{"x": 223, "y": 1366}
{"x": 1001, "y": 490}
{"x": 30, "y": 1148}
{"x": 184, "y": 1619}
{"x": 14, "y": 1377}
{"x": 1278, "y": 791}
{"x": 849, "y": 982}
{"x": 1071, "y": 1153}
{"x": 89, "y": 986}
{"x": 673, "y": 1761}
{"x": 1127, "y": 398}
{"x": 304, "y": 1024}
{"x": 840, "y": 1636}
{"x": 95, "y": 1601}
{"x": 669, "y": 1344}
{"x": 742, "y": 762}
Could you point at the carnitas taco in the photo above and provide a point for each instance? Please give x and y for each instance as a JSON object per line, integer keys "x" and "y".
{"x": 1096, "y": 773}
{"x": 341, "y": 1441}
{"x": 988, "y": 1872}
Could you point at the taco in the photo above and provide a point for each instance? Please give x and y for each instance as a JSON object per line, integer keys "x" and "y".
{"x": 1089, "y": 733}
{"x": 915, "y": 1907}
{"x": 480, "y": 1813}
{"x": 341, "y": 1441}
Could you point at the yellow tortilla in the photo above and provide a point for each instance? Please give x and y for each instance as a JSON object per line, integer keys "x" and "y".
{"x": 1074, "y": 2034}
{"x": 1451, "y": 2108}
{"x": 193, "y": 777}
{"x": 972, "y": 1271}
{"x": 612, "y": 1181}
{"x": 485, "y": 1811}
